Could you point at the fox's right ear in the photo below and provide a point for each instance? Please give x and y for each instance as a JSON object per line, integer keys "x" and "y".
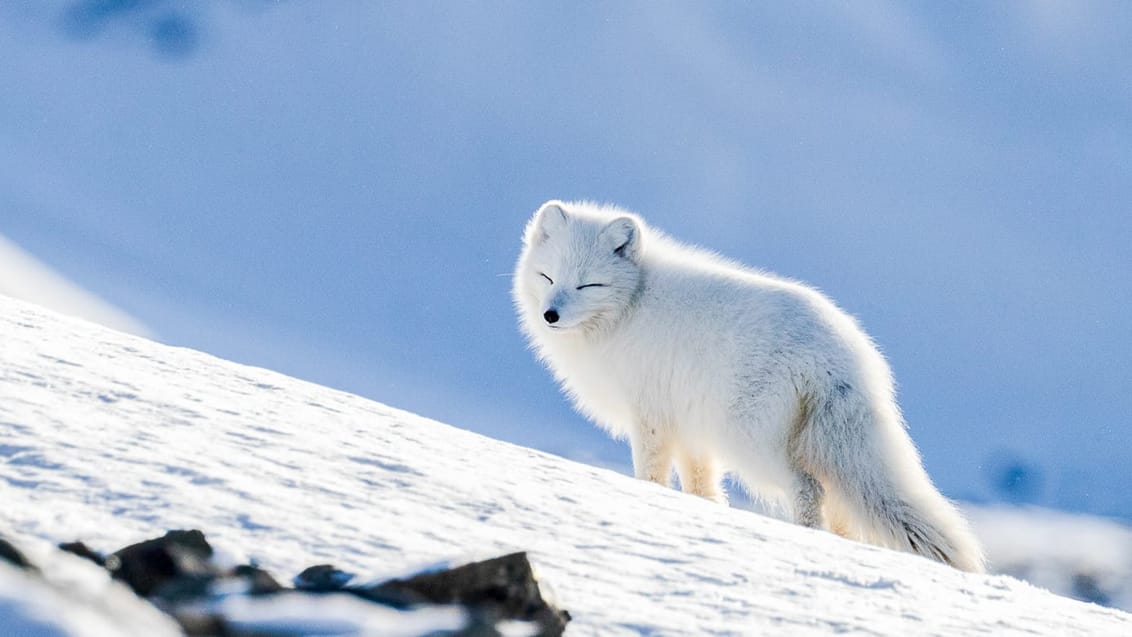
{"x": 550, "y": 218}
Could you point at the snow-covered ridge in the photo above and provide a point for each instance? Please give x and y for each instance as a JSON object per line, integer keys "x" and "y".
{"x": 25, "y": 277}
{"x": 112, "y": 438}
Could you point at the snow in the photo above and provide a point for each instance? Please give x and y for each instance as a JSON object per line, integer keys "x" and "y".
{"x": 111, "y": 438}
{"x": 291, "y": 613}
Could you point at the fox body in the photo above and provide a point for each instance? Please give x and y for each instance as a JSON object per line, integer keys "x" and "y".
{"x": 710, "y": 366}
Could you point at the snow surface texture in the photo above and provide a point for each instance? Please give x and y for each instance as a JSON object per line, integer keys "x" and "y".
{"x": 112, "y": 438}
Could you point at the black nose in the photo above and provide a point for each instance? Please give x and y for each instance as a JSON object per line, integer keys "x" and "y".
{"x": 551, "y": 316}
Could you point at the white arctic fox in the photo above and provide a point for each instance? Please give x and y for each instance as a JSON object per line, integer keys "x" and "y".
{"x": 716, "y": 367}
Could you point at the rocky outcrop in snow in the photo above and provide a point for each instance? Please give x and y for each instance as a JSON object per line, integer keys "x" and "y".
{"x": 177, "y": 573}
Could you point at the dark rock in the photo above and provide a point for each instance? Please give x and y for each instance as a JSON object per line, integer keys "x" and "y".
{"x": 259, "y": 581}
{"x": 149, "y": 565}
{"x": 322, "y": 578}
{"x": 83, "y": 551}
{"x": 196, "y": 620}
{"x": 183, "y": 588}
{"x": 389, "y": 594}
{"x": 496, "y": 589}
{"x": 13, "y": 556}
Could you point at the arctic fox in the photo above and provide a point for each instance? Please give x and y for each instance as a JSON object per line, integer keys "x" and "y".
{"x": 709, "y": 365}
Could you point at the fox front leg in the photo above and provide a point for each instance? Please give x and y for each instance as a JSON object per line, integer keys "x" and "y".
{"x": 652, "y": 455}
{"x": 700, "y": 475}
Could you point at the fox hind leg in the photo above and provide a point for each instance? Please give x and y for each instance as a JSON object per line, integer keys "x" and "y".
{"x": 808, "y": 496}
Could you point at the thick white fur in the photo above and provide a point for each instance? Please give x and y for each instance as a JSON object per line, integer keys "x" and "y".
{"x": 710, "y": 366}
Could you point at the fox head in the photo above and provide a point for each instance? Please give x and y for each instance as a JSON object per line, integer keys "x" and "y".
{"x": 579, "y": 270}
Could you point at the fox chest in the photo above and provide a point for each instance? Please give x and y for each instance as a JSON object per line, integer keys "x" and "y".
{"x": 623, "y": 388}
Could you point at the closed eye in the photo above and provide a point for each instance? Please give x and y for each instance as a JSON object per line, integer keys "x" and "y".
{"x": 591, "y": 285}
{"x": 550, "y": 280}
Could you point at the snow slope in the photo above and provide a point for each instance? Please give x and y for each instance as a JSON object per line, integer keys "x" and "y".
{"x": 112, "y": 438}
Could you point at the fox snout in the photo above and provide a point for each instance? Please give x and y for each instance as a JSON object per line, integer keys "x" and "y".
{"x": 554, "y": 315}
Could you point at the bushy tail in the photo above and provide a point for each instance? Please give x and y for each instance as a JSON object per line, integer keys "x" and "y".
{"x": 927, "y": 525}
{"x": 876, "y": 488}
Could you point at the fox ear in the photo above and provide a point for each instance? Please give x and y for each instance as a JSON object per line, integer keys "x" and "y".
{"x": 550, "y": 218}
{"x": 623, "y": 236}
